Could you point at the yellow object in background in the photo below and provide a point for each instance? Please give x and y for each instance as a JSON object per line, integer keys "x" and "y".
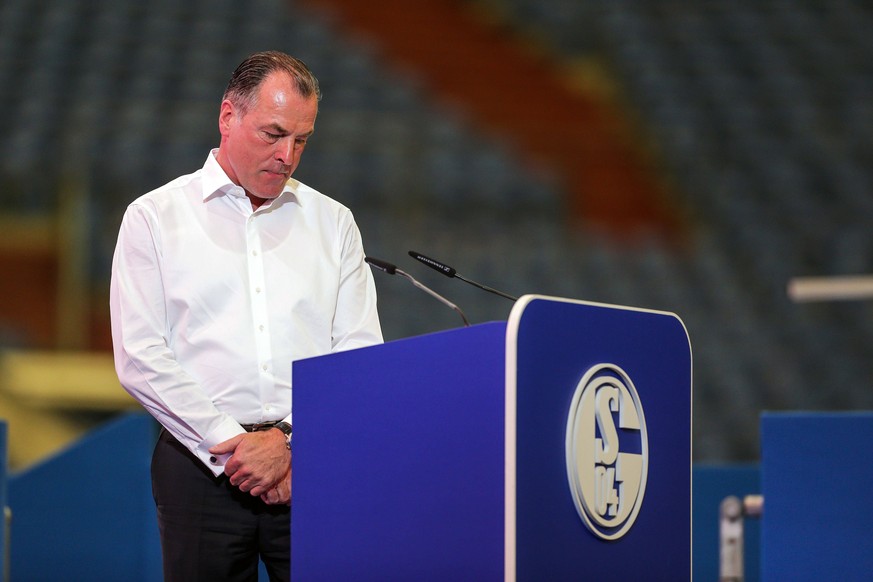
{"x": 50, "y": 399}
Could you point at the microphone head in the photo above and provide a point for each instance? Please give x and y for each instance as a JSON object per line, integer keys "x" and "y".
{"x": 381, "y": 265}
{"x": 433, "y": 264}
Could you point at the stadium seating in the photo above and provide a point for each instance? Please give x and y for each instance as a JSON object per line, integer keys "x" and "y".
{"x": 759, "y": 111}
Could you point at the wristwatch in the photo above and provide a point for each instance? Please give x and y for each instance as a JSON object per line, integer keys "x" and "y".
{"x": 286, "y": 429}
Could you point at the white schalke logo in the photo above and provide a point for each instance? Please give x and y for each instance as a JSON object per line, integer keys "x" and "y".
{"x": 607, "y": 484}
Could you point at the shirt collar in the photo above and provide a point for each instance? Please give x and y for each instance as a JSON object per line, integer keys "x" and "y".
{"x": 216, "y": 183}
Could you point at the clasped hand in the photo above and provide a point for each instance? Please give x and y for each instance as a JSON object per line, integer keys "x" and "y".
{"x": 260, "y": 464}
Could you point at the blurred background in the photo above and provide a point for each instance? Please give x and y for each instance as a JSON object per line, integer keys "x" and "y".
{"x": 681, "y": 155}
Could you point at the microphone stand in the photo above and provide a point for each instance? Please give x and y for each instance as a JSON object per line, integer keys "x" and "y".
{"x": 452, "y": 273}
{"x": 392, "y": 269}
{"x": 434, "y": 294}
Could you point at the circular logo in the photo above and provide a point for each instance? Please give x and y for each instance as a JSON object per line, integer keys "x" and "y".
{"x": 607, "y": 451}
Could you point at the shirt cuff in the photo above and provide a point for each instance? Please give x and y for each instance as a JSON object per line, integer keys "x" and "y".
{"x": 228, "y": 429}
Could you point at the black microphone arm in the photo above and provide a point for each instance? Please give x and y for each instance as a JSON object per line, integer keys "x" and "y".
{"x": 393, "y": 270}
{"x": 450, "y": 272}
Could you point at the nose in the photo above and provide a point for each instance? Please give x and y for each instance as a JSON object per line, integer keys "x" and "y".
{"x": 285, "y": 150}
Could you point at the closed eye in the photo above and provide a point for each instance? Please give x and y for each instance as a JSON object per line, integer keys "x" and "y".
{"x": 271, "y": 137}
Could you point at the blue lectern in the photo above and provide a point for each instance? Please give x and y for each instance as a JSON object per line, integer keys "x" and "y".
{"x": 555, "y": 446}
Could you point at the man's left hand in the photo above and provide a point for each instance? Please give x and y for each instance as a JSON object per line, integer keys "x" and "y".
{"x": 281, "y": 493}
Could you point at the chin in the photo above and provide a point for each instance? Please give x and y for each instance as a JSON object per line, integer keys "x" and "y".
{"x": 273, "y": 188}
{"x": 269, "y": 193}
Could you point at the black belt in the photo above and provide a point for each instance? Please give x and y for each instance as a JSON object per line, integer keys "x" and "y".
{"x": 260, "y": 426}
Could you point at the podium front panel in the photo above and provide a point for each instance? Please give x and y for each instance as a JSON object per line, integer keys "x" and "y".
{"x": 398, "y": 460}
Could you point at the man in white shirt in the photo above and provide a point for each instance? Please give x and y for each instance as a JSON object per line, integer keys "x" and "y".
{"x": 220, "y": 280}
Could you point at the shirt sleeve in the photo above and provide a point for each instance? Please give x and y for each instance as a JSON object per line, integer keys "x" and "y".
{"x": 144, "y": 361}
{"x": 356, "y": 321}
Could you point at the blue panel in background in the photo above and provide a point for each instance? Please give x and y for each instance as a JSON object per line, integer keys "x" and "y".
{"x": 816, "y": 474}
{"x": 87, "y": 513}
{"x": 558, "y": 342}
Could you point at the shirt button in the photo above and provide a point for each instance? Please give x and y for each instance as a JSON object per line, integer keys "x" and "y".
{"x": 264, "y": 367}
{"x": 257, "y": 289}
{"x": 254, "y": 253}
{"x": 261, "y": 327}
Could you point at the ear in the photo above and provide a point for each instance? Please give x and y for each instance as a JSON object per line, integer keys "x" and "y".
{"x": 226, "y": 117}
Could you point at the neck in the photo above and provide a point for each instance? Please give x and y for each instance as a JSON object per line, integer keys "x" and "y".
{"x": 256, "y": 202}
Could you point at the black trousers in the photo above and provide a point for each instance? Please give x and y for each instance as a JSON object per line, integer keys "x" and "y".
{"x": 210, "y": 530}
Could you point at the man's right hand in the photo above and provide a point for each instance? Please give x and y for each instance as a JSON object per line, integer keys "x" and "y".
{"x": 258, "y": 460}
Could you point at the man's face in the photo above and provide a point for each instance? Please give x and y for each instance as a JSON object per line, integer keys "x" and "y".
{"x": 261, "y": 149}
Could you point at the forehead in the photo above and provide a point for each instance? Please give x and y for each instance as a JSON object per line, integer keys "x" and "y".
{"x": 278, "y": 95}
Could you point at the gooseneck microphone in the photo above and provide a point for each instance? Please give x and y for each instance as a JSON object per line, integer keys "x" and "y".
{"x": 450, "y": 272}
{"x": 393, "y": 270}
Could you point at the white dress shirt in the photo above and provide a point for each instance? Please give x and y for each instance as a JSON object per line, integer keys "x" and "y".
{"x": 212, "y": 301}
